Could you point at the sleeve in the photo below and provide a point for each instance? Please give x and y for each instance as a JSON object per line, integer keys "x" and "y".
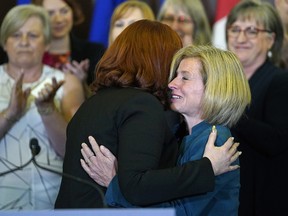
{"x": 273, "y": 127}
{"x": 142, "y": 133}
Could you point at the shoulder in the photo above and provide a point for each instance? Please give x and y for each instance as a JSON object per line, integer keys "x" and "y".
{"x": 223, "y": 133}
{"x": 139, "y": 96}
{"x": 52, "y": 72}
{"x": 2, "y": 68}
{"x": 128, "y": 99}
{"x": 279, "y": 83}
{"x": 3, "y": 76}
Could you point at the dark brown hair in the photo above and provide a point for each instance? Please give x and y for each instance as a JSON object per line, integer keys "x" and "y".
{"x": 140, "y": 57}
{"x": 78, "y": 16}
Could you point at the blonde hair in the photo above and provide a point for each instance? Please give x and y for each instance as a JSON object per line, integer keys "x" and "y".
{"x": 227, "y": 91}
{"x": 122, "y": 8}
{"x": 18, "y": 15}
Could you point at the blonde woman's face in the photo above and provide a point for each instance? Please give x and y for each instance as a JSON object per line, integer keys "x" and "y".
{"x": 61, "y": 16}
{"x": 131, "y": 16}
{"x": 187, "y": 89}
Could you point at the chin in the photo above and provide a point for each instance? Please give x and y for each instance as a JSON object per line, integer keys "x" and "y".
{"x": 173, "y": 107}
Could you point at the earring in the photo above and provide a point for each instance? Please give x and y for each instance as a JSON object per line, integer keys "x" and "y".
{"x": 269, "y": 54}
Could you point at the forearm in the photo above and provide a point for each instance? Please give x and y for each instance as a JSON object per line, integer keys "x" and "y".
{"x": 156, "y": 186}
{"x": 6, "y": 122}
{"x": 55, "y": 126}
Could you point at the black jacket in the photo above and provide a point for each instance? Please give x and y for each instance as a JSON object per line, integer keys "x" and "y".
{"x": 132, "y": 124}
{"x": 263, "y": 136}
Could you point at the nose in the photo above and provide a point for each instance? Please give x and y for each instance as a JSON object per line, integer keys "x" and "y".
{"x": 175, "y": 25}
{"x": 242, "y": 37}
{"x": 24, "y": 39}
{"x": 172, "y": 85}
{"x": 57, "y": 17}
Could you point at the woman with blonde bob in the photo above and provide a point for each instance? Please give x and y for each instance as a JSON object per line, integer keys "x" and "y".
{"x": 208, "y": 87}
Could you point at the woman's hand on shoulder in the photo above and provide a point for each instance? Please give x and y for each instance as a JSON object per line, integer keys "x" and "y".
{"x": 99, "y": 163}
{"x": 223, "y": 156}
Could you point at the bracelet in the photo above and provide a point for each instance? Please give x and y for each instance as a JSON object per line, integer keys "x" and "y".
{"x": 8, "y": 119}
{"x": 44, "y": 111}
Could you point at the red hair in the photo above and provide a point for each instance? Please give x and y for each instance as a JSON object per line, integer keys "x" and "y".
{"x": 140, "y": 57}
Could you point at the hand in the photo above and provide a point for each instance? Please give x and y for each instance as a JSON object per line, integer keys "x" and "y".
{"x": 78, "y": 69}
{"x": 221, "y": 157}
{"x": 18, "y": 100}
{"x": 100, "y": 164}
{"x": 45, "y": 98}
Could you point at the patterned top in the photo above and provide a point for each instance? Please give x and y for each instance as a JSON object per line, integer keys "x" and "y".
{"x": 29, "y": 188}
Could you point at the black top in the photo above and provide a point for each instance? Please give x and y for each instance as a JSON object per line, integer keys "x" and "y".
{"x": 132, "y": 124}
{"x": 263, "y": 136}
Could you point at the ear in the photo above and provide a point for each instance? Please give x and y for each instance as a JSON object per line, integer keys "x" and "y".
{"x": 271, "y": 40}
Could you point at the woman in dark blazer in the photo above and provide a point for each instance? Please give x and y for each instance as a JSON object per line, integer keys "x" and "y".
{"x": 255, "y": 35}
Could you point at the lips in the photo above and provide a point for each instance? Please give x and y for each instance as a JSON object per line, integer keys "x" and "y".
{"x": 24, "y": 51}
{"x": 58, "y": 27}
{"x": 174, "y": 97}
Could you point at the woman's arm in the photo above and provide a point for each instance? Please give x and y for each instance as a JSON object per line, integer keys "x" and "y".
{"x": 16, "y": 108}
{"x": 55, "y": 121}
{"x": 101, "y": 165}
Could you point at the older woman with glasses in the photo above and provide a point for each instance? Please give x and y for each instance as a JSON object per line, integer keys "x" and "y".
{"x": 254, "y": 33}
{"x": 188, "y": 19}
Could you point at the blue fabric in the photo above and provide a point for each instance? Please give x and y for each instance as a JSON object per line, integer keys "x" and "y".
{"x": 99, "y": 29}
{"x": 19, "y": 2}
{"x": 223, "y": 200}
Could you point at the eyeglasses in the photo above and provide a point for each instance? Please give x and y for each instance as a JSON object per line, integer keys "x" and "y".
{"x": 179, "y": 20}
{"x": 250, "y": 32}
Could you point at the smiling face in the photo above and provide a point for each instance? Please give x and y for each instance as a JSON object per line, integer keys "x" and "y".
{"x": 26, "y": 46}
{"x": 187, "y": 89}
{"x": 132, "y": 15}
{"x": 180, "y": 22}
{"x": 250, "y": 51}
{"x": 61, "y": 16}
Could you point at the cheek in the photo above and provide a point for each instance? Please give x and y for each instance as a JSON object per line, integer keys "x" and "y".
{"x": 9, "y": 46}
{"x": 115, "y": 33}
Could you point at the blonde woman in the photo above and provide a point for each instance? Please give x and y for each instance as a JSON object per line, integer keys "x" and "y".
{"x": 125, "y": 14}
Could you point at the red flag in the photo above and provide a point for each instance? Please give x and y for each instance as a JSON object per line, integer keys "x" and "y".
{"x": 223, "y": 8}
